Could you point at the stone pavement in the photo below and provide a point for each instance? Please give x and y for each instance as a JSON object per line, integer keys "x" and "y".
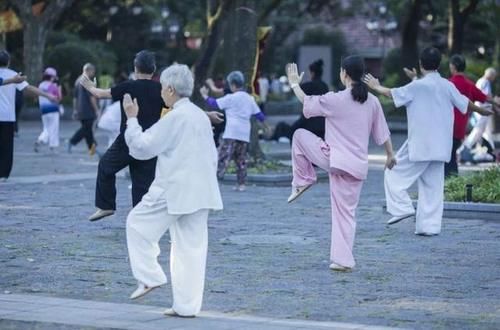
{"x": 266, "y": 258}
{"x": 85, "y": 313}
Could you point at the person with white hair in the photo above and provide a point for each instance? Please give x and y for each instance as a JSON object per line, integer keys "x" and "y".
{"x": 484, "y": 124}
{"x": 239, "y": 107}
{"x": 185, "y": 188}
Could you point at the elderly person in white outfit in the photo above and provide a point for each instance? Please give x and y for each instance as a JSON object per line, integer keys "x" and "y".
{"x": 185, "y": 188}
{"x": 429, "y": 103}
{"x": 484, "y": 124}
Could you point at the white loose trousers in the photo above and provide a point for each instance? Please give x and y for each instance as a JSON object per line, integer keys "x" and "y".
{"x": 430, "y": 178}
{"x": 146, "y": 224}
{"x": 50, "y": 133}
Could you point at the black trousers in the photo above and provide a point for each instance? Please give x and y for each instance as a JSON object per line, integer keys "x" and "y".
{"x": 116, "y": 158}
{"x": 6, "y": 148}
{"x": 85, "y": 131}
{"x": 451, "y": 168}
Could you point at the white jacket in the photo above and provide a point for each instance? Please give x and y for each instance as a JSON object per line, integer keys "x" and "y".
{"x": 187, "y": 158}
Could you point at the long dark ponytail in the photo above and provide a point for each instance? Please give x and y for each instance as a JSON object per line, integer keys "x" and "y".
{"x": 354, "y": 67}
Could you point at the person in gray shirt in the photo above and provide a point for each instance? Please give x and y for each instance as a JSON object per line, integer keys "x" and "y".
{"x": 85, "y": 110}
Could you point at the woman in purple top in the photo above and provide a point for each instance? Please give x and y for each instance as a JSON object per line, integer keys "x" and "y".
{"x": 49, "y": 110}
{"x": 351, "y": 116}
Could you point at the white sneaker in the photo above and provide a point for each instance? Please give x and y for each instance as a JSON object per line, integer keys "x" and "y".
{"x": 297, "y": 191}
{"x": 99, "y": 214}
{"x": 142, "y": 290}
{"x": 171, "y": 312}
{"x": 339, "y": 268}
{"x": 398, "y": 218}
{"x": 240, "y": 188}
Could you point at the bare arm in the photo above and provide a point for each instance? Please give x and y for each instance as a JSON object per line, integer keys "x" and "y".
{"x": 374, "y": 84}
{"x": 89, "y": 85}
{"x": 214, "y": 89}
{"x": 294, "y": 79}
{"x": 482, "y": 111}
{"x": 14, "y": 80}
{"x": 34, "y": 91}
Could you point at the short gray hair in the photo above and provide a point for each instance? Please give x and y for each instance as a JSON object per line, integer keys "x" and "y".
{"x": 489, "y": 72}
{"x": 180, "y": 78}
{"x": 236, "y": 78}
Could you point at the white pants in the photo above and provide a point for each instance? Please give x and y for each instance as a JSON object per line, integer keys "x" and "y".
{"x": 50, "y": 133}
{"x": 483, "y": 128}
{"x": 146, "y": 224}
{"x": 430, "y": 178}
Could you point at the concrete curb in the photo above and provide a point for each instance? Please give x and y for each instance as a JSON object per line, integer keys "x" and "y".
{"x": 482, "y": 211}
{"x": 472, "y": 211}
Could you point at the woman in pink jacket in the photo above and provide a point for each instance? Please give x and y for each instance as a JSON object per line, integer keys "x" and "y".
{"x": 352, "y": 115}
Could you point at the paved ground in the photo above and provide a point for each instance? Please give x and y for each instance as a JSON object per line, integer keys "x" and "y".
{"x": 266, "y": 258}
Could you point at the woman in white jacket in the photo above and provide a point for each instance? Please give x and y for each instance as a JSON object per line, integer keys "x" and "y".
{"x": 185, "y": 188}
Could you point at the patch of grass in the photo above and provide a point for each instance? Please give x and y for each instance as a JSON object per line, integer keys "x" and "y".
{"x": 263, "y": 167}
{"x": 486, "y": 186}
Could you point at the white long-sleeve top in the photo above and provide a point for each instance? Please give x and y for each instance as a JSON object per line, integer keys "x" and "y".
{"x": 187, "y": 158}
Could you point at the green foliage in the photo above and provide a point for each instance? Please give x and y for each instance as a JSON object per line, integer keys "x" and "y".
{"x": 263, "y": 167}
{"x": 392, "y": 62}
{"x": 68, "y": 53}
{"x": 486, "y": 186}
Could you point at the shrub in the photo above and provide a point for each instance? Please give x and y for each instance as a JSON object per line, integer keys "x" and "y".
{"x": 486, "y": 186}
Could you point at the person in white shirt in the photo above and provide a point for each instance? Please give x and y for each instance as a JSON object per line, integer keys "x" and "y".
{"x": 185, "y": 188}
{"x": 484, "y": 124}
{"x": 429, "y": 103}
{"x": 8, "y": 111}
{"x": 239, "y": 107}
{"x": 110, "y": 121}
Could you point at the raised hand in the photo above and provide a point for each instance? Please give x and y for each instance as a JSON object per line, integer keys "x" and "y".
{"x": 86, "y": 82}
{"x": 371, "y": 81}
{"x": 292, "y": 72}
{"x": 412, "y": 74}
{"x": 130, "y": 107}
{"x": 204, "y": 92}
{"x": 210, "y": 82}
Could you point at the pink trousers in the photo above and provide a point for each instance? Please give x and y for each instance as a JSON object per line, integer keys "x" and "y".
{"x": 308, "y": 149}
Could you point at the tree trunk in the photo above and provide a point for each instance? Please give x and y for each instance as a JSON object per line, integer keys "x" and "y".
{"x": 36, "y": 26}
{"x": 240, "y": 47}
{"x": 456, "y": 24}
{"x": 409, "y": 36}
{"x": 214, "y": 35}
{"x": 35, "y": 36}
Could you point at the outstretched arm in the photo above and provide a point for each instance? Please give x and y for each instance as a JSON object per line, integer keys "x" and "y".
{"x": 374, "y": 84}
{"x": 294, "y": 79}
{"x": 35, "y": 91}
{"x": 482, "y": 111}
{"x": 90, "y": 85}
{"x": 14, "y": 80}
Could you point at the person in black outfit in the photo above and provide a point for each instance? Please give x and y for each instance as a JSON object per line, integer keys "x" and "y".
{"x": 142, "y": 172}
{"x": 85, "y": 110}
{"x": 315, "y": 125}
